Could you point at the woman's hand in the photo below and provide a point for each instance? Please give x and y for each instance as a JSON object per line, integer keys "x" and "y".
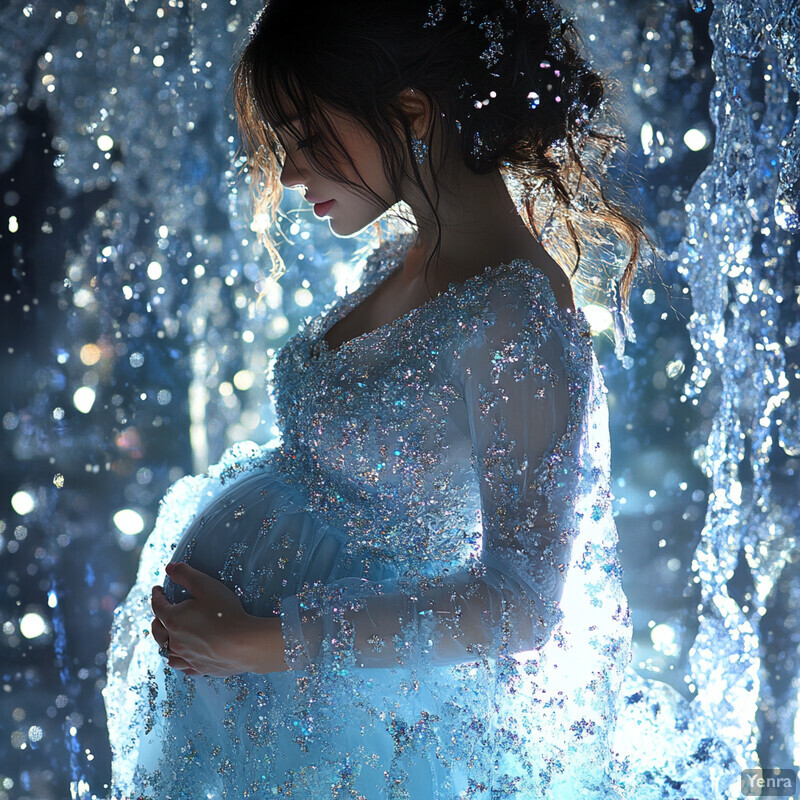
{"x": 212, "y": 634}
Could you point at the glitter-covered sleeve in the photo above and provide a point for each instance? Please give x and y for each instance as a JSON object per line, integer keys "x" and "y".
{"x": 507, "y": 369}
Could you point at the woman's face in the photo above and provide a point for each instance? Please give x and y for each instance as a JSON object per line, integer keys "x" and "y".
{"x": 347, "y": 210}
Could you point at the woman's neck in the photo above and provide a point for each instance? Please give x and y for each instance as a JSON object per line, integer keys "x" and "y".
{"x": 480, "y": 227}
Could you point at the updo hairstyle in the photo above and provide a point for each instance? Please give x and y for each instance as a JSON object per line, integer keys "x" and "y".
{"x": 505, "y": 79}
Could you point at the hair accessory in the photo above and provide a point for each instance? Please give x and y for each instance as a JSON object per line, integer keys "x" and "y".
{"x": 435, "y": 14}
{"x": 467, "y": 9}
{"x": 498, "y": 29}
{"x": 420, "y": 150}
{"x": 493, "y": 29}
{"x": 554, "y": 15}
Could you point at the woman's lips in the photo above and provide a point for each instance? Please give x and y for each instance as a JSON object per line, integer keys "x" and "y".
{"x": 321, "y": 209}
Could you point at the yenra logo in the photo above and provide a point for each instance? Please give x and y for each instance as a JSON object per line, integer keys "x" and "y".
{"x": 774, "y": 782}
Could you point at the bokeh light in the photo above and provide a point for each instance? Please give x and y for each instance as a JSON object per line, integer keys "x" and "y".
{"x": 129, "y": 522}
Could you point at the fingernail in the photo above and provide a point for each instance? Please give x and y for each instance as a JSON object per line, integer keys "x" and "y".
{"x": 168, "y": 569}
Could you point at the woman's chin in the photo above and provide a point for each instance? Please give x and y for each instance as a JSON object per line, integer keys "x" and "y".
{"x": 345, "y": 229}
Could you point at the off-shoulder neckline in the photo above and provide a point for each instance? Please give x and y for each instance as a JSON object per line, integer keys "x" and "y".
{"x": 394, "y": 250}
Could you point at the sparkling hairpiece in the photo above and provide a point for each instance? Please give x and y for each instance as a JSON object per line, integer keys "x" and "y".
{"x": 492, "y": 25}
{"x": 438, "y": 10}
{"x": 435, "y": 14}
{"x": 497, "y": 33}
{"x": 493, "y": 28}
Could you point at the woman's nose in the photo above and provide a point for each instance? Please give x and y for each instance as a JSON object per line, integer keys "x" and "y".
{"x": 291, "y": 177}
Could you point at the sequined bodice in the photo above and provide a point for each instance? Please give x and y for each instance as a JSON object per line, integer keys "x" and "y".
{"x": 377, "y": 430}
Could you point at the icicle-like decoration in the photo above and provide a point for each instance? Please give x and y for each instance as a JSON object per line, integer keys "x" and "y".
{"x": 740, "y": 265}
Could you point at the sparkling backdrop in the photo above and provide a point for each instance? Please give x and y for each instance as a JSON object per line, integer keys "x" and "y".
{"x": 133, "y": 352}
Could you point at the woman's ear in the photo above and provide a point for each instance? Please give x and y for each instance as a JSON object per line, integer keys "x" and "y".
{"x": 418, "y": 110}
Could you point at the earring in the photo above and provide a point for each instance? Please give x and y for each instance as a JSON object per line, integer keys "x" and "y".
{"x": 420, "y": 150}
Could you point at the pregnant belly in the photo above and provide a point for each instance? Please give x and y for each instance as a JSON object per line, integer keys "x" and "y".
{"x": 259, "y": 538}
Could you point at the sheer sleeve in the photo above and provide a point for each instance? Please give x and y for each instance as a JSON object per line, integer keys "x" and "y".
{"x": 508, "y": 370}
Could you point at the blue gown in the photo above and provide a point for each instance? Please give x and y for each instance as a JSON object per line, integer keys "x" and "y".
{"x": 435, "y": 533}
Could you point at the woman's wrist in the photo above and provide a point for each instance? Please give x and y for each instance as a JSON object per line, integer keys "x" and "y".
{"x": 261, "y": 645}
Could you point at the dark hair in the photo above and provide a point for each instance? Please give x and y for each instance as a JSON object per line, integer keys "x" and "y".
{"x": 505, "y": 79}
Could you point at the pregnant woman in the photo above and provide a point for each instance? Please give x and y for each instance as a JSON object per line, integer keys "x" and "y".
{"x": 417, "y": 593}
